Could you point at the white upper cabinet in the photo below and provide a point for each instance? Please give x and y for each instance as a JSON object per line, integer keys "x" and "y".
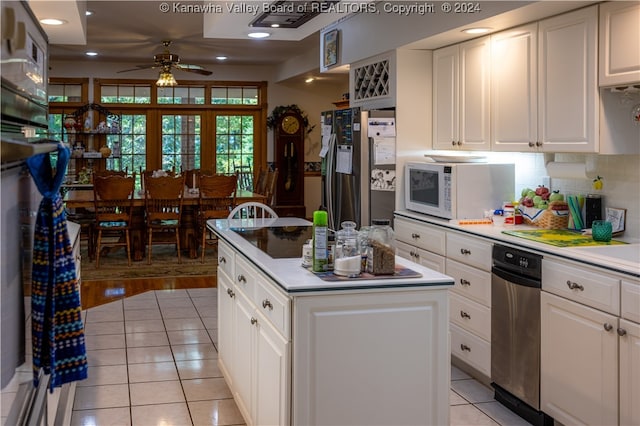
{"x": 619, "y": 43}
{"x": 544, "y": 85}
{"x": 514, "y": 97}
{"x": 461, "y": 79}
{"x": 568, "y": 102}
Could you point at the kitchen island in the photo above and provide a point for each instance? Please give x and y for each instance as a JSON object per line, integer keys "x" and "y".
{"x": 298, "y": 348}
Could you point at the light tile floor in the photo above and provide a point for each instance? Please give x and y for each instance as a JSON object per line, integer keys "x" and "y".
{"x": 153, "y": 361}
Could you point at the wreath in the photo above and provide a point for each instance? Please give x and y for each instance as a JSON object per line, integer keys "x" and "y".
{"x": 274, "y": 117}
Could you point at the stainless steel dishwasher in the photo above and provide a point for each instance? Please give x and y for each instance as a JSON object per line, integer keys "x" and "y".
{"x": 515, "y": 332}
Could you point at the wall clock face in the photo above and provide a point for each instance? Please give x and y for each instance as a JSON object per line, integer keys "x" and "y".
{"x": 290, "y": 124}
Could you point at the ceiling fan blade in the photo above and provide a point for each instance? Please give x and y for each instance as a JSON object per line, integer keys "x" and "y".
{"x": 139, "y": 67}
{"x": 193, "y": 68}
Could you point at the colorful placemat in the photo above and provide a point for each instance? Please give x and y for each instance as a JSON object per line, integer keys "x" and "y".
{"x": 400, "y": 272}
{"x": 560, "y": 238}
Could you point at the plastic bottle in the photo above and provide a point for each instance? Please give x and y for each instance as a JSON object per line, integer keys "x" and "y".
{"x": 320, "y": 238}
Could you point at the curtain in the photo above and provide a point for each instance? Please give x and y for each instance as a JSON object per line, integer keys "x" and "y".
{"x": 57, "y": 328}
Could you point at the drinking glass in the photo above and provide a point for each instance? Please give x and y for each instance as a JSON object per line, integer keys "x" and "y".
{"x": 601, "y": 230}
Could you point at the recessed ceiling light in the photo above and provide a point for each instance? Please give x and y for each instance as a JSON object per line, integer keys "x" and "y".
{"x": 476, "y": 30}
{"x": 259, "y": 34}
{"x": 90, "y": 53}
{"x": 52, "y": 21}
{"x": 309, "y": 80}
{"x": 275, "y": 25}
{"x": 88, "y": 12}
{"x": 222, "y": 58}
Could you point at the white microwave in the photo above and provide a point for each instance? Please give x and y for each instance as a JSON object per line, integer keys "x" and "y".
{"x": 457, "y": 190}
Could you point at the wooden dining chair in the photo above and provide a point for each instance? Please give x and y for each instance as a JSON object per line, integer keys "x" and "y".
{"x": 217, "y": 197}
{"x": 103, "y": 173}
{"x": 113, "y": 205}
{"x": 163, "y": 201}
{"x": 252, "y": 210}
{"x": 261, "y": 182}
{"x": 270, "y": 190}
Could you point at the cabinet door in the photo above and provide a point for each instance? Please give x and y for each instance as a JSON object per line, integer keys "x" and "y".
{"x": 619, "y": 43}
{"x": 422, "y": 257}
{"x": 514, "y": 98}
{"x": 272, "y": 376}
{"x": 579, "y": 363}
{"x": 445, "y": 98}
{"x": 629, "y": 373}
{"x": 420, "y": 235}
{"x": 243, "y": 354}
{"x": 474, "y": 81}
{"x": 568, "y": 102}
{"x": 225, "y": 326}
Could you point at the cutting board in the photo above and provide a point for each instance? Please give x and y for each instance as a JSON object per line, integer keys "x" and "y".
{"x": 560, "y": 238}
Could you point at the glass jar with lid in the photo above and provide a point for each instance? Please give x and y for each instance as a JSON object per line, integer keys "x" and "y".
{"x": 347, "y": 260}
{"x": 381, "y": 252}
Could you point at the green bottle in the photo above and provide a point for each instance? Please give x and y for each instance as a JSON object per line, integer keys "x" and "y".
{"x": 320, "y": 233}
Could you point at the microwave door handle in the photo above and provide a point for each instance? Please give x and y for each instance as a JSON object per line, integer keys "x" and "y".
{"x": 331, "y": 154}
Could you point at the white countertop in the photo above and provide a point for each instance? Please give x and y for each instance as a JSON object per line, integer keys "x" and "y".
{"x": 624, "y": 259}
{"x": 293, "y": 278}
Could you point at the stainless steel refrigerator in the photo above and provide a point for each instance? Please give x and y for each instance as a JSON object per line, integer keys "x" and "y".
{"x": 358, "y": 165}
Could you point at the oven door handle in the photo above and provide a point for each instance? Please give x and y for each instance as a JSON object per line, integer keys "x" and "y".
{"x": 516, "y": 278}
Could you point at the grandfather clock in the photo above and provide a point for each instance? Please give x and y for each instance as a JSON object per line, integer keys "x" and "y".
{"x": 289, "y": 156}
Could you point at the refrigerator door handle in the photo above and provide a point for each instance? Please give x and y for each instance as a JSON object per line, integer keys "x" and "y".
{"x": 329, "y": 179}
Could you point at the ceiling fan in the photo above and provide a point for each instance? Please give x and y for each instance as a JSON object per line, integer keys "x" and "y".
{"x": 167, "y": 60}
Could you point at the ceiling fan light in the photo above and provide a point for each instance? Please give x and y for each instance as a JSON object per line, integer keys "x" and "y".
{"x": 166, "y": 79}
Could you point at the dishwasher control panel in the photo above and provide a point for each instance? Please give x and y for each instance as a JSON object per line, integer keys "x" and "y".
{"x": 518, "y": 261}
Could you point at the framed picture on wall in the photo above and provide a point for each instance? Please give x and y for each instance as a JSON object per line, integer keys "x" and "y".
{"x": 330, "y": 48}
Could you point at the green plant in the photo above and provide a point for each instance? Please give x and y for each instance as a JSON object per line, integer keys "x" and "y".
{"x": 272, "y": 119}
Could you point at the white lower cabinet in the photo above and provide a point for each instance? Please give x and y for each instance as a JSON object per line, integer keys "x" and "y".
{"x": 590, "y": 345}
{"x": 579, "y": 363}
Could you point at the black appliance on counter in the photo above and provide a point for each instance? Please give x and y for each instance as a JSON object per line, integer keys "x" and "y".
{"x": 515, "y": 332}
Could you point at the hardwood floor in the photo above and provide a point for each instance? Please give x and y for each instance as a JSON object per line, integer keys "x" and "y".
{"x": 96, "y": 293}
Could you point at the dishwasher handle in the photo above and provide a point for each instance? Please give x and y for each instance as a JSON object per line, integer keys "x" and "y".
{"x": 516, "y": 278}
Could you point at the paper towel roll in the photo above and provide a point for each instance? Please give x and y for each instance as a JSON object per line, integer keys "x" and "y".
{"x": 567, "y": 170}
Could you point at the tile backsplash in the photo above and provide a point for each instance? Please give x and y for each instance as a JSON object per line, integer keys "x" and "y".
{"x": 620, "y": 174}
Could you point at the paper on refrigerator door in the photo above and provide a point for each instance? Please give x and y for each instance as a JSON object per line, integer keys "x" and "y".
{"x": 344, "y": 159}
{"x": 326, "y": 140}
{"x": 384, "y": 151}
{"x": 381, "y": 127}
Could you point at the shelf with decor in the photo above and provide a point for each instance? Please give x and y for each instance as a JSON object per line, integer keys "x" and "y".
{"x": 92, "y": 145}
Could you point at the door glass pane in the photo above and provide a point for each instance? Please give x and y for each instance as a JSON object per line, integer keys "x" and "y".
{"x": 181, "y": 142}
{"x": 129, "y": 149}
{"x": 234, "y": 143}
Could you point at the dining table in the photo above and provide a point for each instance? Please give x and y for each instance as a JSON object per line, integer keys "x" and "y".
{"x": 82, "y": 200}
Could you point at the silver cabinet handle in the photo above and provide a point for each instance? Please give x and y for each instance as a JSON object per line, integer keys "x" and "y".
{"x": 254, "y": 321}
{"x": 242, "y": 279}
{"x": 465, "y": 282}
{"x": 621, "y": 332}
{"x": 230, "y": 293}
{"x": 607, "y": 326}
{"x": 574, "y": 286}
{"x": 465, "y": 347}
{"x": 463, "y": 314}
{"x": 266, "y": 303}
{"x": 222, "y": 259}
{"x": 465, "y": 251}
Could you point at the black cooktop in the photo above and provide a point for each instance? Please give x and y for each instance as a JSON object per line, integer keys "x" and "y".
{"x": 279, "y": 242}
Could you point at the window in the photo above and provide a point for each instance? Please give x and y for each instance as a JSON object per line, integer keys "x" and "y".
{"x": 243, "y": 95}
{"x": 125, "y": 93}
{"x": 181, "y": 95}
{"x": 234, "y": 143}
{"x": 129, "y": 149}
{"x": 181, "y": 142}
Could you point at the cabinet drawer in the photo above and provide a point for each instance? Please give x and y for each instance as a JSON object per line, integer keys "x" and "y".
{"x": 420, "y": 235}
{"x": 582, "y": 284}
{"x": 471, "y": 349}
{"x": 274, "y": 306}
{"x": 225, "y": 259}
{"x": 470, "y": 282}
{"x": 469, "y": 250}
{"x": 245, "y": 278}
{"x": 470, "y": 315}
{"x": 630, "y": 300}
{"x": 423, "y": 257}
